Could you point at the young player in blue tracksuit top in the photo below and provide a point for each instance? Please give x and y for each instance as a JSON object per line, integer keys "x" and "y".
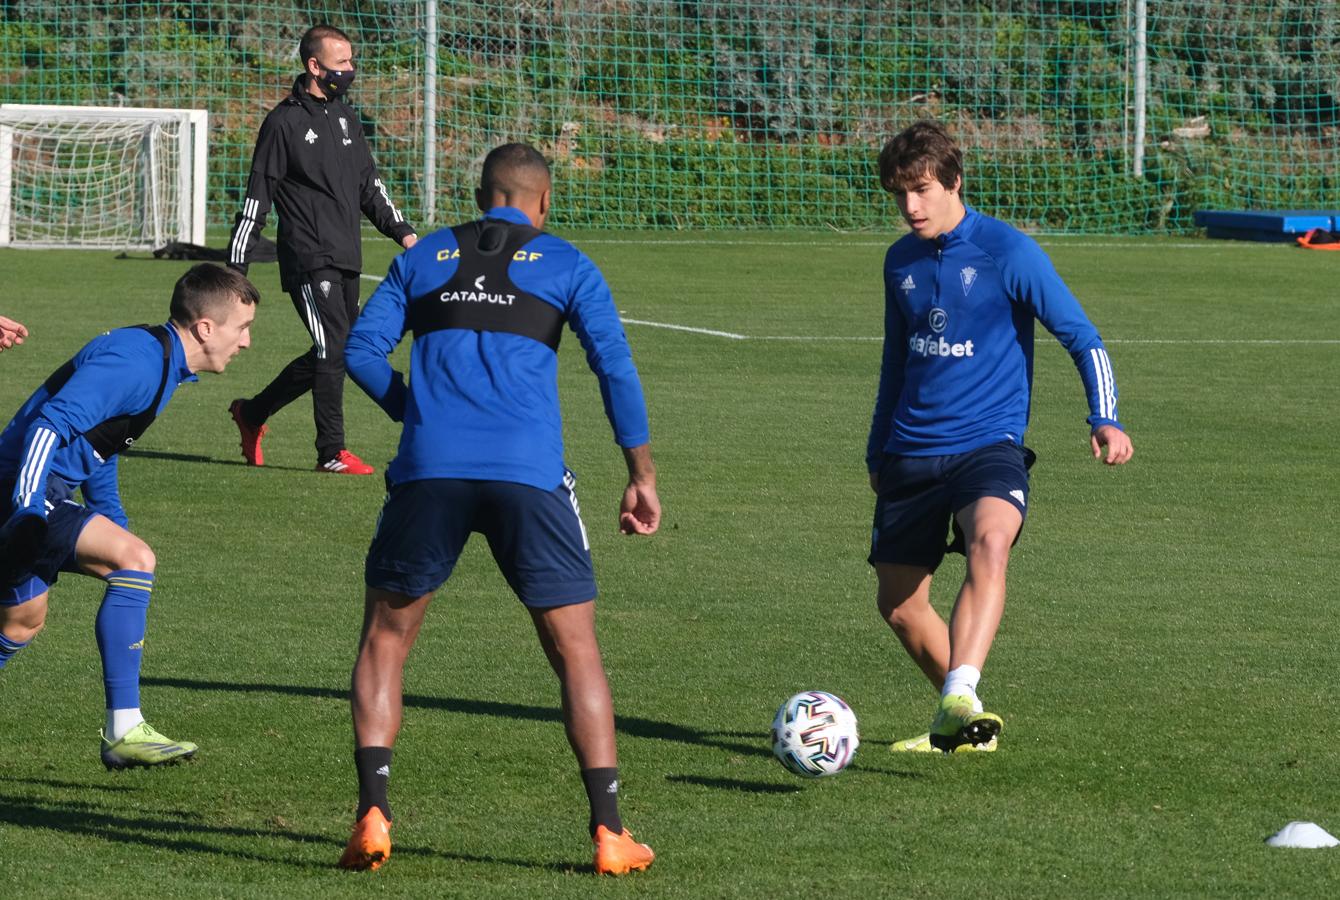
{"x": 946, "y": 439}
{"x": 482, "y": 451}
{"x": 957, "y": 372}
{"x": 66, "y": 437}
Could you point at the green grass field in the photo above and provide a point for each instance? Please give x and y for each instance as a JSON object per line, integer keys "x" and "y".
{"x": 1164, "y": 667}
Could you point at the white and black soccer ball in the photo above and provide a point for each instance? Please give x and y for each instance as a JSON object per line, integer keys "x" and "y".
{"x": 814, "y": 734}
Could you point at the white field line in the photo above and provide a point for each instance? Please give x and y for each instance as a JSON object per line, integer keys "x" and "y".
{"x": 733, "y": 336}
{"x": 1249, "y": 341}
{"x": 1189, "y": 341}
{"x": 725, "y": 334}
{"x": 852, "y": 339}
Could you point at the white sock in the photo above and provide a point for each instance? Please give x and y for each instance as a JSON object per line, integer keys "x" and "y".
{"x": 963, "y": 680}
{"x": 119, "y": 721}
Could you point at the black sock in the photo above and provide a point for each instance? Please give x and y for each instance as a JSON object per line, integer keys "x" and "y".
{"x": 249, "y": 413}
{"x": 374, "y": 771}
{"x": 602, "y": 790}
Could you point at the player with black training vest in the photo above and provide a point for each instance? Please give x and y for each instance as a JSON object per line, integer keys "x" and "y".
{"x": 482, "y": 451}
{"x": 65, "y": 438}
{"x": 312, "y": 162}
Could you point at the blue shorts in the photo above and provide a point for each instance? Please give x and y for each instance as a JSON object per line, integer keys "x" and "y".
{"x": 537, "y": 538}
{"x": 65, "y": 521}
{"x": 919, "y": 496}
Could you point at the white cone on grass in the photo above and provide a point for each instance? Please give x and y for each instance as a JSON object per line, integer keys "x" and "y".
{"x": 1308, "y": 835}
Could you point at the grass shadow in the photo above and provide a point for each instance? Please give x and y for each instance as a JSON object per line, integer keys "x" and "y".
{"x": 184, "y": 832}
{"x": 180, "y": 832}
{"x": 733, "y": 784}
{"x": 69, "y": 785}
{"x": 208, "y": 460}
{"x": 633, "y": 726}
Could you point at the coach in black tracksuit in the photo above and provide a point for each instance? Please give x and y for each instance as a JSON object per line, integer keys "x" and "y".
{"x": 313, "y": 163}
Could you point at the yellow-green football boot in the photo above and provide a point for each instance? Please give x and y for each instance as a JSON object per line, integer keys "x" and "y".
{"x": 919, "y": 744}
{"x": 956, "y": 723}
{"x": 142, "y": 746}
{"x": 922, "y": 744}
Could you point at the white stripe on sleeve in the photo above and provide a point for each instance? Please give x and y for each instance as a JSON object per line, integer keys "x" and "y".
{"x": 239, "y": 248}
{"x": 35, "y": 462}
{"x": 395, "y": 213}
{"x": 1102, "y": 368}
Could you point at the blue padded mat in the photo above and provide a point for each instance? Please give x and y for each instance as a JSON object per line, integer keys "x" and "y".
{"x": 1265, "y": 225}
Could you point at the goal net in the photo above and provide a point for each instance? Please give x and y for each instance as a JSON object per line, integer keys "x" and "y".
{"x": 101, "y": 177}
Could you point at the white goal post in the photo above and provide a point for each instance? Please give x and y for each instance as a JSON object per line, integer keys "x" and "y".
{"x": 101, "y": 176}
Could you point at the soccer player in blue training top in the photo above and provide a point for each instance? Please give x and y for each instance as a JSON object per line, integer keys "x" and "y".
{"x": 66, "y": 437}
{"x": 946, "y": 440}
{"x": 482, "y": 451}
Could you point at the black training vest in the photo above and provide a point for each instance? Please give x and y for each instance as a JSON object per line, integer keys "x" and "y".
{"x": 480, "y": 296}
{"x": 114, "y": 435}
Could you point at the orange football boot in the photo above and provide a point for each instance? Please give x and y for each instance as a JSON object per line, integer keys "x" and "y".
{"x": 370, "y": 844}
{"x": 619, "y": 854}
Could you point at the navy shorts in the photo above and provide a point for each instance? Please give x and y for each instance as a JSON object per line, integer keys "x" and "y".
{"x": 65, "y": 521}
{"x": 537, "y": 538}
{"x": 919, "y": 496}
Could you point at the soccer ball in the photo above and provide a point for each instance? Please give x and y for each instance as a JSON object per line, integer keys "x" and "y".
{"x": 814, "y": 734}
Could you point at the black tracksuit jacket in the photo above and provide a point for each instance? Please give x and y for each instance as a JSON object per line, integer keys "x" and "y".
{"x": 312, "y": 163}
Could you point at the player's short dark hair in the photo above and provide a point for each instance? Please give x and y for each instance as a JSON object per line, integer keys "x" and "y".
{"x": 208, "y": 291}
{"x": 922, "y": 148}
{"x": 311, "y": 40}
{"x": 512, "y": 166}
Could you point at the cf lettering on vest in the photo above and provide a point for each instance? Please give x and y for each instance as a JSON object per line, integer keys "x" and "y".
{"x": 480, "y": 295}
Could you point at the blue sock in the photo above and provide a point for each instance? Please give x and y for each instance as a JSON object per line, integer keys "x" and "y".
{"x": 8, "y": 648}
{"x": 120, "y": 629}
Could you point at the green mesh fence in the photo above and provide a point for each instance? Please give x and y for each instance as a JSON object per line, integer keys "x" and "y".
{"x": 751, "y": 113}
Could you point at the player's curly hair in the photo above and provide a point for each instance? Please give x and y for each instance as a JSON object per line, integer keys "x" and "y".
{"x": 921, "y": 148}
{"x": 208, "y": 291}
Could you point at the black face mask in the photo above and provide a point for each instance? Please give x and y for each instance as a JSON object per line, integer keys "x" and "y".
{"x": 335, "y": 83}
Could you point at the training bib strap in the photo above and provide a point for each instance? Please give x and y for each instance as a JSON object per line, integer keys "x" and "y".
{"x": 481, "y": 296}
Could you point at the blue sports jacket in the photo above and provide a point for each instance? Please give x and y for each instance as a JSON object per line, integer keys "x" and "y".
{"x": 115, "y": 374}
{"x": 957, "y": 372}
{"x": 483, "y": 404}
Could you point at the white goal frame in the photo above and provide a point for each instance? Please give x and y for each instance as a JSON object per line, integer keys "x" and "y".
{"x": 189, "y": 176}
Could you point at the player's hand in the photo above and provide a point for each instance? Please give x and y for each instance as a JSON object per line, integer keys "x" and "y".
{"x": 409, "y": 240}
{"x": 640, "y": 511}
{"x": 874, "y": 482}
{"x": 1118, "y": 444}
{"x": 11, "y": 333}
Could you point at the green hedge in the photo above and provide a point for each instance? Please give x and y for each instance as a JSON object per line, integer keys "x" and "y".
{"x": 673, "y": 113}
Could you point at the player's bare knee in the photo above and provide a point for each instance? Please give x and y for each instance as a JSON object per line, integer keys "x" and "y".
{"x": 901, "y": 613}
{"x": 886, "y": 606}
{"x": 388, "y": 630}
{"x": 990, "y": 550}
{"x": 22, "y": 622}
{"x": 22, "y": 634}
{"x": 136, "y": 556}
